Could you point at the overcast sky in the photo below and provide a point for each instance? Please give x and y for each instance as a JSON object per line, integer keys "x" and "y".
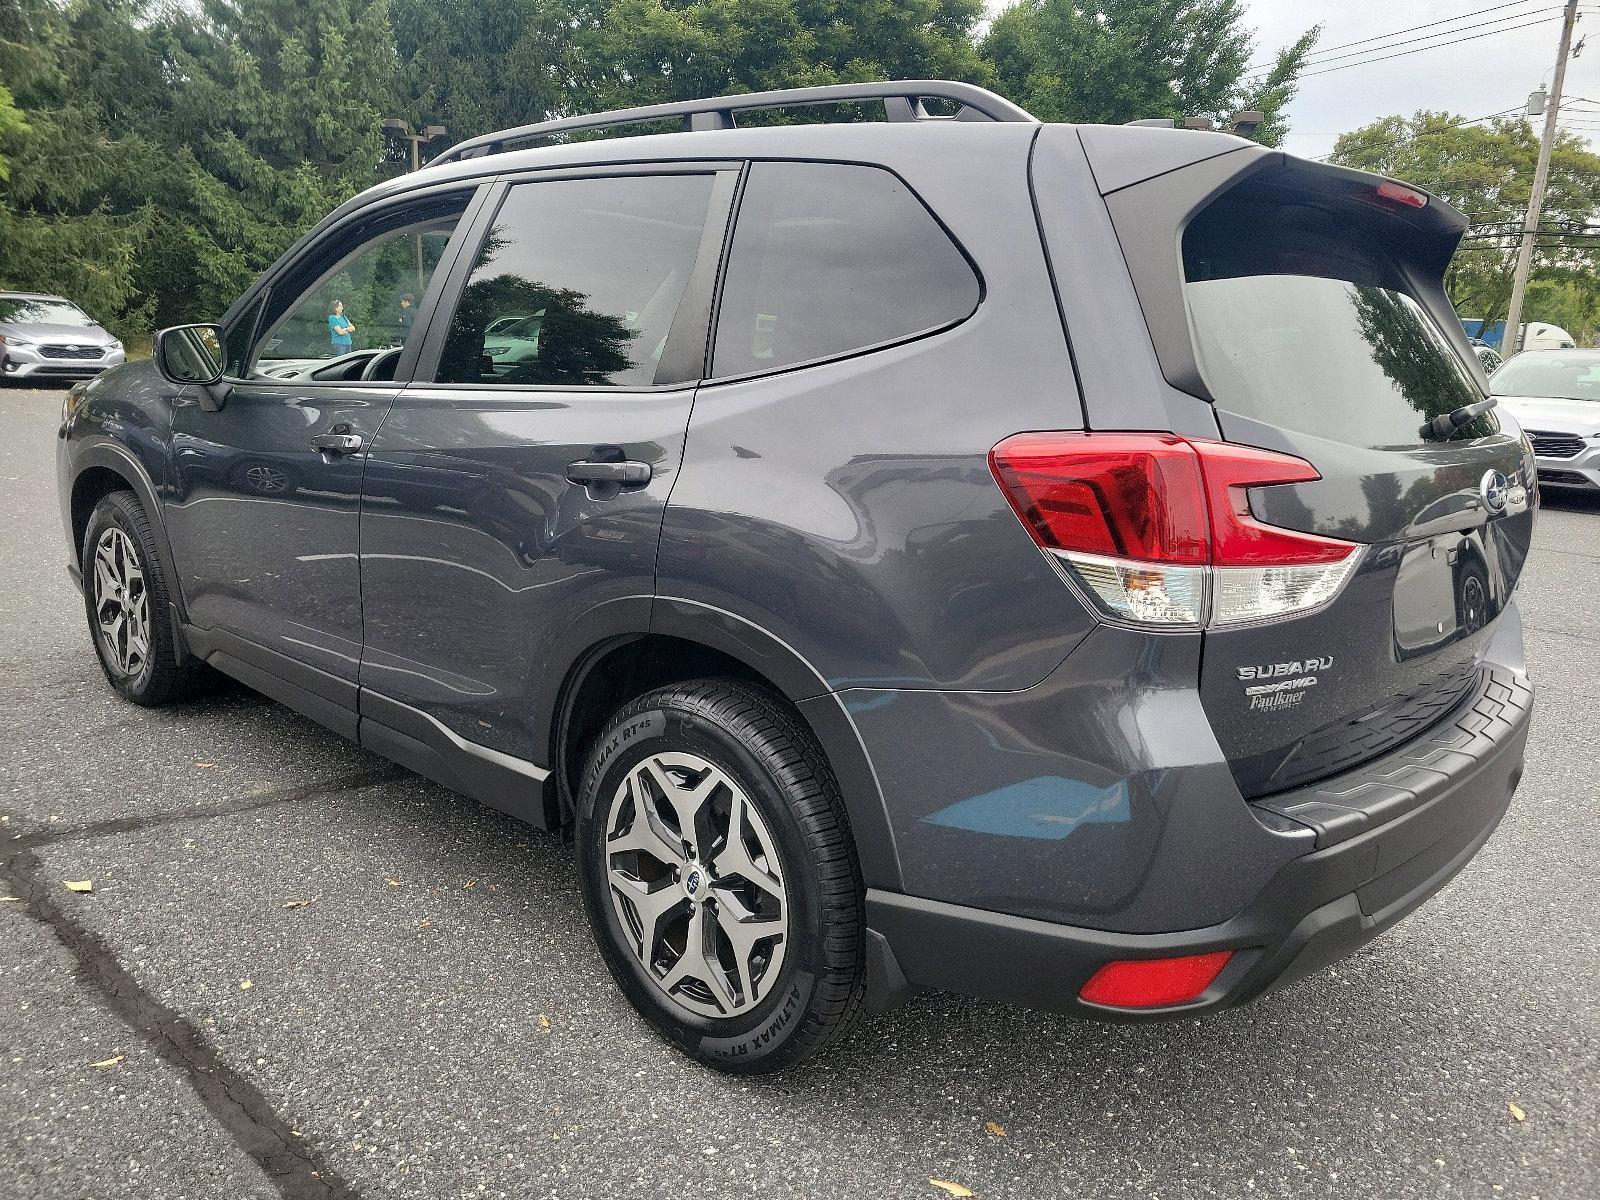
{"x": 1470, "y": 79}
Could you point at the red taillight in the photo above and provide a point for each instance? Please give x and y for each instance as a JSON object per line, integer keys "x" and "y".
{"x": 1158, "y": 528}
{"x": 1123, "y": 495}
{"x": 1399, "y": 193}
{"x": 1154, "y": 982}
{"x": 1237, "y": 538}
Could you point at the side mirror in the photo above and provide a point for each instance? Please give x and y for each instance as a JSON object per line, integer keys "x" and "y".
{"x": 191, "y": 355}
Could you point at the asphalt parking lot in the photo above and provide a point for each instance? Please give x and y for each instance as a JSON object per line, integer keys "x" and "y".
{"x": 433, "y": 1022}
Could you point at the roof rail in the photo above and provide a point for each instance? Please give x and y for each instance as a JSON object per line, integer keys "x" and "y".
{"x": 902, "y": 101}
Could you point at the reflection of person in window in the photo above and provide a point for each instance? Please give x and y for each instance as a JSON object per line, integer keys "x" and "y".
{"x": 408, "y": 314}
{"x": 340, "y": 329}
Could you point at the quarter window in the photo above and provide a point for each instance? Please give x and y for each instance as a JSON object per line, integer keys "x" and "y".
{"x": 577, "y": 283}
{"x": 829, "y": 258}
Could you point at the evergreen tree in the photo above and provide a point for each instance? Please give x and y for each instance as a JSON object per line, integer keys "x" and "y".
{"x": 77, "y": 212}
{"x": 277, "y": 119}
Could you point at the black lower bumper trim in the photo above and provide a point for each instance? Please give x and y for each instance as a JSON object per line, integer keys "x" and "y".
{"x": 1318, "y": 909}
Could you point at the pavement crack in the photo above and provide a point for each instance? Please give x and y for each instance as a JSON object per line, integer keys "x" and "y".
{"x": 296, "y": 1169}
{"x": 350, "y": 781}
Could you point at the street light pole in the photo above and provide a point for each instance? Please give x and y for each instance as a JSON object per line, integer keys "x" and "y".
{"x": 417, "y": 140}
{"x": 1511, "y": 340}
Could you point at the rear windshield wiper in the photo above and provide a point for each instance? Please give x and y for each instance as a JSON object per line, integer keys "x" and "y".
{"x": 1446, "y": 424}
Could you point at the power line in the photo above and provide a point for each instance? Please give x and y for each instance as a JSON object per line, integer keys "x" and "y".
{"x": 1436, "y": 46}
{"x": 1427, "y": 37}
{"x": 1378, "y": 37}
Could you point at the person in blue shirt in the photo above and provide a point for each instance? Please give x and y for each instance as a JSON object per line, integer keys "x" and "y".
{"x": 340, "y": 329}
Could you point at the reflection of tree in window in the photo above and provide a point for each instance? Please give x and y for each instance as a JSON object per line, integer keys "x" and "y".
{"x": 576, "y": 345}
{"x": 1410, "y": 353}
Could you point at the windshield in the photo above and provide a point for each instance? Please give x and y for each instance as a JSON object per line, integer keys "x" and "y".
{"x": 38, "y": 310}
{"x": 1556, "y": 376}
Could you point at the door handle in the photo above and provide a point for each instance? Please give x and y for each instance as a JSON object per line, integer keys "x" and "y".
{"x": 625, "y": 474}
{"x": 337, "y": 443}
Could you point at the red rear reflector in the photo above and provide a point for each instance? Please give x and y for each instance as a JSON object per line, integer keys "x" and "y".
{"x": 1154, "y": 982}
{"x": 1401, "y": 194}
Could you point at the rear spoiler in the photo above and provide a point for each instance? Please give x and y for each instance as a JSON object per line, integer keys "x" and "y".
{"x": 1156, "y": 181}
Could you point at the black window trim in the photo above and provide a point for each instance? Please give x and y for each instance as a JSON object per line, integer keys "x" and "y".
{"x": 473, "y": 189}
{"x": 844, "y": 355}
{"x": 692, "y": 323}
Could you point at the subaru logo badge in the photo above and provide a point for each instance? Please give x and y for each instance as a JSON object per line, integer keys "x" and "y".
{"x": 1492, "y": 489}
{"x": 692, "y": 884}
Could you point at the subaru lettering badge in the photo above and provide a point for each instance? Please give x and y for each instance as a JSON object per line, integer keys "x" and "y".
{"x": 1492, "y": 488}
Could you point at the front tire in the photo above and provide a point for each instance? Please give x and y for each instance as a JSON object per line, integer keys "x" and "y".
{"x": 720, "y": 875}
{"x": 127, "y": 599}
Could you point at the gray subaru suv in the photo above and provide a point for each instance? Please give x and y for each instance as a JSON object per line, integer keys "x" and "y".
{"x": 1070, "y": 565}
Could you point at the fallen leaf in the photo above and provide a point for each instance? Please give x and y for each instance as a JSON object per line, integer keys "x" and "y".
{"x": 205, "y": 764}
{"x": 1516, "y": 1112}
{"x": 297, "y": 903}
{"x": 109, "y": 1062}
{"x": 424, "y": 923}
{"x": 995, "y": 1128}
{"x": 955, "y": 1189}
{"x": 544, "y": 1021}
{"x": 392, "y": 882}
{"x": 79, "y": 885}
{"x": 471, "y": 883}
{"x": 245, "y": 985}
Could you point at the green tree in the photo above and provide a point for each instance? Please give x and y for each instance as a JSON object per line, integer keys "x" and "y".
{"x": 480, "y": 65}
{"x": 1486, "y": 171}
{"x": 649, "y": 51}
{"x": 276, "y": 119}
{"x": 76, "y": 210}
{"x": 1113, "y": 61}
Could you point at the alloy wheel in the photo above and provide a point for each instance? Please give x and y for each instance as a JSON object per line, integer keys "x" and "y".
{"x": 121, "y": 602}
{"x": 695, "y": 881}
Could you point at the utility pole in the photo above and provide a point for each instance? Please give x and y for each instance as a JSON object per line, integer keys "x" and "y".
{"x": 1511, "y": 340}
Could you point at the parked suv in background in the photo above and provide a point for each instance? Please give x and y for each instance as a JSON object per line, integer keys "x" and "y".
{"x": 46, "y": 337}
{"x": 1065, "y": 564}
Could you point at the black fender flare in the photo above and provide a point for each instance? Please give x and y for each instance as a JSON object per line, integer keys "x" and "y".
{"x": 114, "y": 457}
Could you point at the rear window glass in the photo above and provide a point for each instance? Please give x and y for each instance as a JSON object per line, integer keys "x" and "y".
{"x": 829, "y": 258}
{"x": 1357, "y": 362}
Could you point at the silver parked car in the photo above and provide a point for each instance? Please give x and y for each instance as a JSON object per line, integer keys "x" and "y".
{"x": 46, "y": 337}
{"x": 1555, "y": 397}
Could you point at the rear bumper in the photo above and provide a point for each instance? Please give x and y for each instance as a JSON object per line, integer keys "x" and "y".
{"x": 1389, "y": 835}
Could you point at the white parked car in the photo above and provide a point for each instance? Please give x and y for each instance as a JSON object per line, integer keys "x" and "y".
{"x": 1555, "y": 397}
{"x": 46, "y": 337}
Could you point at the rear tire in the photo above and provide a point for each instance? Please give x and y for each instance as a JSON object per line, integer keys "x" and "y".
{"x": 127, "y": 600}
{"x": 720, "y": 875}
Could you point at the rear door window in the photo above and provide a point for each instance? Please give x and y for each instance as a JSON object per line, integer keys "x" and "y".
{"x": 577, "y": 282}
{"x": 829, "y": 259}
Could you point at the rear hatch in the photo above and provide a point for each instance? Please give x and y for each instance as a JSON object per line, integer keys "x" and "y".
{"x": 1314, "y": 320}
